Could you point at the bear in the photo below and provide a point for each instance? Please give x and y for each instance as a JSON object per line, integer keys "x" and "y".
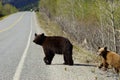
{"x": 55, "y": 45}
{"x": 109, "y": 58}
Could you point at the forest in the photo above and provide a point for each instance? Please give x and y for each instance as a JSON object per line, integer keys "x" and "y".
{"x": 92, "y": 23}
{"x": 7, "y": 9}
{"x": 12, "y": 6}
{"x": 22, "y": 5}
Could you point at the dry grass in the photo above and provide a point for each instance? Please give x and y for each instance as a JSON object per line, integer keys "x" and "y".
{"x": 52, "y": 28}
{"x": 85, "y": 56}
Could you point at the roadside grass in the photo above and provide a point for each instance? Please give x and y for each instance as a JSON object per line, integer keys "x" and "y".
{"x": 85, "y": 56}
{"x": 52, "y": 28}
{"x": 1, "y": 18}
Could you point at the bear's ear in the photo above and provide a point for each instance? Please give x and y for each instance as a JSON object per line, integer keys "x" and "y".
{"x": 35, "y": 34}
{"x": 42, "y": 34}
{"x": 105, "y": 48}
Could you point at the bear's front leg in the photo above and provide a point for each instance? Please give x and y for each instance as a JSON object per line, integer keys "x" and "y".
{"x": 106, "y": 66}
{"x": 101, "y": 65}
{"x": 46, "y": 60}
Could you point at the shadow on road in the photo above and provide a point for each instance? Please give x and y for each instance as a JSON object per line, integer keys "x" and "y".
{"x": 81, "y": 64}
{"x": 85, "y": 64}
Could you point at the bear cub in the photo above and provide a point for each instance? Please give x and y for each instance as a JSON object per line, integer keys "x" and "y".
{"x": 55, "y": 45}
{"x": 109, "y": 58}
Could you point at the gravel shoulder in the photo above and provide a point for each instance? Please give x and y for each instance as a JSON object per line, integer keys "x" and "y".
{"x": 79, "y": 71}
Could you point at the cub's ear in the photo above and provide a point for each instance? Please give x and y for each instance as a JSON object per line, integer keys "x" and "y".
{"x": 35, "y": 34}
{"x": 105, "y": 48}
{"x": 98, "y": 47}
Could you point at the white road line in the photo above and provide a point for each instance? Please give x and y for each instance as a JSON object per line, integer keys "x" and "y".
{"x": 21, "y": 63}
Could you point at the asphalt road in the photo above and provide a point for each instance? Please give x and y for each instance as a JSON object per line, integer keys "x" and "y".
{"x": 21, "y": 59}
{"x": 16, "y": 46}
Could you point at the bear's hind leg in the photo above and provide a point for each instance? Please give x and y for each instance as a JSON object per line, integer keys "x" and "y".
{"x": 68, "y": 59}
{"x": 117, "y": 70}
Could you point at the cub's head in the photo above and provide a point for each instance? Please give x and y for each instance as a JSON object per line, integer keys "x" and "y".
{"x": 102, "y": 50}
{"x": 39, "y": 38}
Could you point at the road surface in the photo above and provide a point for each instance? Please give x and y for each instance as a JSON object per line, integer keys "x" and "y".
{"x": 21, "y": 59}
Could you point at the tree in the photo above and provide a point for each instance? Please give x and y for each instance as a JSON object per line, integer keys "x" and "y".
{"x": 1, "y": 8}
{"x": 9, "y": 9}
{"x": 109, "y": 16}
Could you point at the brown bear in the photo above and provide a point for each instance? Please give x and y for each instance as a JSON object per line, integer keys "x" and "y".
{"x": 109, "y": 58}
{"x": 55, "y": 45}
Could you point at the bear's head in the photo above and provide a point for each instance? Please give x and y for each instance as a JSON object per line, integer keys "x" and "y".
{"x": 102, "y": 50}
{"x": 39, "y": 38}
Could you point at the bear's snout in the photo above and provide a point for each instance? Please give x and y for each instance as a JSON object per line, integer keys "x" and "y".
{"x": 34, "y": 41}
{"x": 98, "y": 53}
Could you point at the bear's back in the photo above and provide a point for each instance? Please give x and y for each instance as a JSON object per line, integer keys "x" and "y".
{"x": 113, "y": 58}
{"x": 57, "y": 44}
{"x": 56, "y": 40}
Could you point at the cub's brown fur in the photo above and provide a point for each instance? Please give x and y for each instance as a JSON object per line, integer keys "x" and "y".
{"x": 109, "y": 58}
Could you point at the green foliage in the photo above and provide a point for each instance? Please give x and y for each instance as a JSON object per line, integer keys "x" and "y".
{"x": 96, "y": 21}
{"x": 79, "y": 9}
{"x": 7, "y": 9}
{"x": 1, "y": 7}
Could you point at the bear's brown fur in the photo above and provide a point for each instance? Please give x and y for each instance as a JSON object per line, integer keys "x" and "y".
{"x": 55, "y": 45}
